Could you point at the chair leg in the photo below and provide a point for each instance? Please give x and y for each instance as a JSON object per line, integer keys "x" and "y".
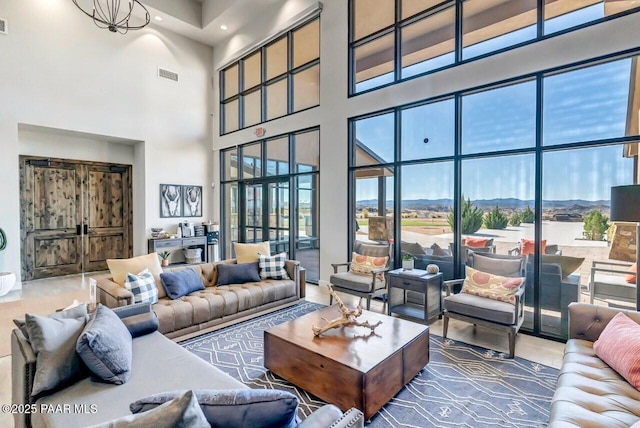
{"x": 512, "y": 343}
{"x": 445, "y": 326}
{"x": 369, "y": 302}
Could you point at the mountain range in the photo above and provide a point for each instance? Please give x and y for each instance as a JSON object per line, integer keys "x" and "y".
{"x": 489, "y": 203}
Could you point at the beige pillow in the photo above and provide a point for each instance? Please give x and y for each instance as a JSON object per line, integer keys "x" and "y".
{"x": 248, "y": 253}
{"x": 121, "y": 267}
{"x": 491, "y": 286}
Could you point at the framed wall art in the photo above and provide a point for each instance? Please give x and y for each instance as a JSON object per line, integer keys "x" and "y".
{"x": 170, "y": 200}
{"x": 192, "y": 201}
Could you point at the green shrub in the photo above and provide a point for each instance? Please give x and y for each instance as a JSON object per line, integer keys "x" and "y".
{"x": 515, "y": 219}
{"x": 496, "y": 220}
{"x": 471, "y": 218}
{"x": 595, "y": 226}
{"x": 527, "y": 216}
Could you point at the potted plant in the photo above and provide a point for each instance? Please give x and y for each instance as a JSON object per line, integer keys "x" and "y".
{"x": 164, "y": 255}
{"x": 7, "y": 279}
{"x": 407, "y": 262}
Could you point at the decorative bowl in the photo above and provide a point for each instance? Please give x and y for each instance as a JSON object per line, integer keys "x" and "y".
{"x": 156, "y": 229}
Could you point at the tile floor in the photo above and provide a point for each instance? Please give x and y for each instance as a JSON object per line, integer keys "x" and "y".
{"x": 45, "y": 296}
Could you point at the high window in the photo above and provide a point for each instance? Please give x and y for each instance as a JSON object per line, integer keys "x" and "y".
{"x": 280, "y": 78}
{"x": 392, "y": 40}
{"x": 520, "y": 169}
{"x": 270, "y": 193}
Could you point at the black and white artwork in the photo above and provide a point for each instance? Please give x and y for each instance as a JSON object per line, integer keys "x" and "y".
{"x": 170, "y": 200}
{"x": 192, "y": 197}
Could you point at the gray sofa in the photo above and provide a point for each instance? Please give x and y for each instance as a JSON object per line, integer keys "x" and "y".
{"x": 159, "y": 365}
{"x": 591, "y": 394}
{"x": 215, "y": 305}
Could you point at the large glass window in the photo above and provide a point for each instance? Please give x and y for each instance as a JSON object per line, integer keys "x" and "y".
{"x": 529, "y": 188}
{"x": 430, "y": 38}
{"x": 258, "y": 202}
{"x": 266, "y": 74}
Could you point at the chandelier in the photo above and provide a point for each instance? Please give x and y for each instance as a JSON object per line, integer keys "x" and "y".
{"x": 107, "y": 14}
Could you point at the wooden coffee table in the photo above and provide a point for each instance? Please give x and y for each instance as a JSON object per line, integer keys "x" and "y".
{"x": 348, "y": 367}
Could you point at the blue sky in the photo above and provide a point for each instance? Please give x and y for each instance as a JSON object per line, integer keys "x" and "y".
{"x": 581, "y": 105}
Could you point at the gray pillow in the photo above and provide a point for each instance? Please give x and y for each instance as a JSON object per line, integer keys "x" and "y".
{"x": 255, "y": 408}
{"x": 181, "y": 412}
{"x": 79, "y": 311}
{"x": 238, "y": 274}
{"x": 54, "y": 342}
{"x": 105, "y": 346}
{"x": 498, "y": 266}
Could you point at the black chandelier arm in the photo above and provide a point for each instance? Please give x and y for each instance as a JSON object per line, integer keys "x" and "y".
{"x": 105, "y": 15}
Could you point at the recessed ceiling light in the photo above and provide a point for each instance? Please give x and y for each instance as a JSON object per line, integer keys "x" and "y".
{"x": 158, "y": 18}
{"x": 224, "y": 27}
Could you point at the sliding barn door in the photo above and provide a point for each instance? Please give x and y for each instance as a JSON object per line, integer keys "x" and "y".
{"x": 74, "y": 215}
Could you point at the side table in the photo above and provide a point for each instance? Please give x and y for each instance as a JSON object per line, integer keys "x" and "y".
{"x": 429, "y": 285}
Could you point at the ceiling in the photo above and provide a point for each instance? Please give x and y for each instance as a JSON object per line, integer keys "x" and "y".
{"x": 201, "y": 19}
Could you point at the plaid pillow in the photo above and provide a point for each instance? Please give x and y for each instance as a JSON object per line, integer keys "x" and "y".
{"x": 272, "y": 267}
{"x": 143, "y": 287}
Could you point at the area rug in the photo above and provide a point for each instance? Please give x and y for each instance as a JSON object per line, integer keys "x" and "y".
{"x": 463, "y": 385}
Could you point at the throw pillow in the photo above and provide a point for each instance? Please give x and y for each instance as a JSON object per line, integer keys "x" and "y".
{"x": 237, "y": 274}
{"x": 248, "y": 253}
{"x": 79, "y": 311}
{"x": 235, "y": 407}
{"x": 438, "y": 251}
{"x": 619, "y": 347}
{"x": 142, "y": 286}
{"x": 54, "y": 343}
{"x": 412, "y": 248}
{"x": 272, "y": 267}
{"x": 181, "y": 283}
{"x": 105, "y": 346}
{"x": 631, "y": 279}
{"x": 511, "y": 267}
{"x": 528, "y": 246}
{"x": 568, "y": 264}
{"x": 181, "y": 412}
{"x": 119, "y": 269}
{"x": 476, "y": 242}
{"x": 363, "y": 265}
{"x": 491, "y": 286}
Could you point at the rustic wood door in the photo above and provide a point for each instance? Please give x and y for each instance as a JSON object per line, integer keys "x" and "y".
{"x": 74, "y": 215}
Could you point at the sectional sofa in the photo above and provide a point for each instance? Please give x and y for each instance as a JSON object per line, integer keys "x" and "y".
{"x": 213, "y": 306}
{"x": 159, "y": 365}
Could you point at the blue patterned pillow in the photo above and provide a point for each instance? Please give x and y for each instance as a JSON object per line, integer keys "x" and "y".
{"x": 272, "y": 267}
{"x": 143, "y": 287}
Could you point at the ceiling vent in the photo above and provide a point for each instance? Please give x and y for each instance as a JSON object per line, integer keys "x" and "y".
{"x": 4, "y": 26}
{"x": 166, "y": 74}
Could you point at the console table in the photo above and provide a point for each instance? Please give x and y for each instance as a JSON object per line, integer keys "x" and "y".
{"x": 156, "y": 245}
{"x": 419, "y": 281}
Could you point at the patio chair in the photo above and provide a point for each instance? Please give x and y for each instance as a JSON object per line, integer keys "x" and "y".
{"x": 608, "y": 282}
{"x": 478, "y": 310}
{"x": 367, "y": 286}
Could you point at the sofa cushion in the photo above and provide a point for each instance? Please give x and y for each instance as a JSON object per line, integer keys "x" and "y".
{"x": 105, "y": 346}
{"x": 357, "y": 282}
{"x": 438, "y": 251}
{"x": 238, "y": 274}
{"x": 480, "y": 307}
{"x": 619, "y": 347}
{"x": 248, "y": 253}
{"x": 272, "y": 267}
{"x": 54, "y": 343}
{"x": 119, "y": 269}
{"x": 181, "y": 283}
{"x": 153, "y": 354}
{"x": 182, "y": 411}
{"x": 142, "y": 286}
{"x": 235, "y": 408}
{"x": 491, "y": 286}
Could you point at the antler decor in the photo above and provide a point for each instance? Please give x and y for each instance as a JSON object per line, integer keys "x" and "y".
{"x": 348, "y": 318}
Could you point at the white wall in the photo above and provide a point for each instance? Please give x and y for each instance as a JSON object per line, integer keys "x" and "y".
{"x": 335, "y": 107}
{"x": 60, "y": 71}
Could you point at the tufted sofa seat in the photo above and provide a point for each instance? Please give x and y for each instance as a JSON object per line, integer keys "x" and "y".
{"x": 591, "y": 394}
{"x": 215, "y": 305}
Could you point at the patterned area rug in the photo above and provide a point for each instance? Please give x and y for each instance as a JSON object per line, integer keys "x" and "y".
{"x": 462, "y": 384}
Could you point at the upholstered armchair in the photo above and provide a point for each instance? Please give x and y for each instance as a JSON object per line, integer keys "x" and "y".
{"x": 497, "y": 315}
{"x": 608, "y": 281}
{"x": 371, "y": 284}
